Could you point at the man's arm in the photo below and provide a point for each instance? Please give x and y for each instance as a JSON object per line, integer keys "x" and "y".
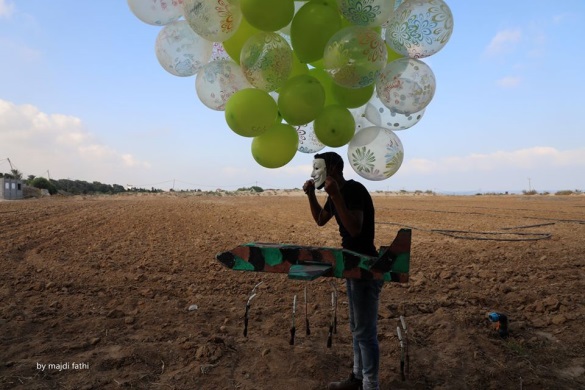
{"x": 320, "y": 215}
{"x": 352, "y": 220}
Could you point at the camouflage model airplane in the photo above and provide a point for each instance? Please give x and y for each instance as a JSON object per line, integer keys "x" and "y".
{"x": 309, "y": 263}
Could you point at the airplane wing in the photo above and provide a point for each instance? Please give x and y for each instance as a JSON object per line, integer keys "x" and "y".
{"x": 308, "y": 262}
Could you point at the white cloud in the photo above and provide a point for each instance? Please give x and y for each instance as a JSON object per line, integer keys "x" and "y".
{"x": 6, "y": 9}
{"x": 37, "y": 141}
{"x": 18, "y": 51}
{"x": 295, "y": 170}
{"x": 231, "y": 171}
{"x": 525, "y": 159}
{"x": 509, "y": 82}
{"x": 563, "y": 17}
{"x": 504, "y": 42}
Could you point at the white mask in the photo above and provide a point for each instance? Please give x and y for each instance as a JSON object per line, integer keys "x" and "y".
{"x": 319, "y": 173}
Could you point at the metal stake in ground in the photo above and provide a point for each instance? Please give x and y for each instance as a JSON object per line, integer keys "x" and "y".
{"x": 334, "y": 304}
{"x": 407, "y": 357}
{"x": 248, "y": 303}
{"x": 401, "y": 353}
{"x": 332, "y": 322}
{"x": 308, "y": 329}
{"x": 293, "y": 328}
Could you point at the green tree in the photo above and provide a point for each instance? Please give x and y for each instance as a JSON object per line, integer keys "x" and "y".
{"x": 16, "y": 174}
{"x": 42, "y": 183}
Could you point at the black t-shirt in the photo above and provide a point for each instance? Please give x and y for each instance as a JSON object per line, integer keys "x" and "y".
{"x": 356, "y": 197}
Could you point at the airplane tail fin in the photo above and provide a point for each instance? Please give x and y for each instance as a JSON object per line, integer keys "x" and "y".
{"x": 396, "y": 257}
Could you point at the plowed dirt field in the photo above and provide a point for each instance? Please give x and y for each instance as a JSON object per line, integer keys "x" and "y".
{"x": 100, "y": 293}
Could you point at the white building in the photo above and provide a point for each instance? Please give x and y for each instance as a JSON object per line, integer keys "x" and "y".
{"x": 11, "y": 189}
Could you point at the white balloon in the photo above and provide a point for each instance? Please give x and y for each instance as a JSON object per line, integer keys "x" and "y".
{"x": 406, "y": 85}
{"x": 308, "y": 141}
{"x": 359, "y": 115}
{"x": 217, "y": 81}
{"x": 267, "y": 60}
{"x": 375, "y": 153}
{"x": 370, "y": 13}
{"x": 218, "y": 52}
{"x": 180, "y": 51}
{"x": 156, "y": 12}
{"x": 380, "y": 115}
{"x": 419, "y": 28}
{"x": 212, "y": 19}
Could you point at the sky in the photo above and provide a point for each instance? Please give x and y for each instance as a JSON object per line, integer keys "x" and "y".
{"x": 83, "y": 97}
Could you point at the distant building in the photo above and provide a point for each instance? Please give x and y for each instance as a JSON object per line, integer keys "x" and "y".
{"x": 11, "y": 189}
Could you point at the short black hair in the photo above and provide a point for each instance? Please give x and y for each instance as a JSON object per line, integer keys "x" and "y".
{"x": 332, "y": 160}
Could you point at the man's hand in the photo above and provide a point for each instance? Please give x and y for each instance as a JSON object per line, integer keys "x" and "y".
{"x": 309, "y": 187}
{"x": 331, "y": 187}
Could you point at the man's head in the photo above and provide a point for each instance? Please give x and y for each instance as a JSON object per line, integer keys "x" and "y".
{"x": 326, "y": 164}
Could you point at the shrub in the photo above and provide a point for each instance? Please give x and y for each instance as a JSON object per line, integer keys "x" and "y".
{"x": 45, "y": 184}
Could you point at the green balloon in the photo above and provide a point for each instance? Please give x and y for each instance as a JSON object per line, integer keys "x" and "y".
{"x": 350, "y": 97}
{"x": 278, "y": 118}
{"x": 317, "y": 64}
{"x": 276, "y": 147}
{"x": 297, "y": 67}
{"x": 392, "y": 55}
{"x": 268, "y": 15}
{"x": 327, "y": 83}
{"x": 301, "y": 99}
{"x": 312, "y": 27}
{"x": 335, "y": 126}
{"x": 250, "y": 112}
{"x": 233, "y": 45}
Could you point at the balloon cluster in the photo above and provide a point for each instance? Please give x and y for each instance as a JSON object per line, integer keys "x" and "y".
{"x": 296, "y": 76}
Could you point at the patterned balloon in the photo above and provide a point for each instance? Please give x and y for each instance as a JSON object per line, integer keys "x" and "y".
{"x": 308, "y": 141}
{"x": 361, "y": 122}
{"x": 214, "y": 20}
{"x": 180, "y": 51}
{"x": 375, "y": 153}
{"x": 420, "y": 28}
{"x": 156, "y": 12}
{"x": 354, "y": 56}
{"x": 217, "y": 81}
{"x": 380, "y": 115}
{"x": 233, "y": 45}
{"x": 366, "y": 12}
{"x": 406, "y": 85}
{"x": 218, "y": 52}
{"x": 267, "y": 60}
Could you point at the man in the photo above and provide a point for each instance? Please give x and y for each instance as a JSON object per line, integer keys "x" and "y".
{"x": 351, "y": 205}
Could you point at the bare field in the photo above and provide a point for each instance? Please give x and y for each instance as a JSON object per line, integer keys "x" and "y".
{"x": 96, "y": 294}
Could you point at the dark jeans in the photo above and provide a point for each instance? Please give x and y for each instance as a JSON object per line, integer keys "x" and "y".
{"x": 363, "y": 297}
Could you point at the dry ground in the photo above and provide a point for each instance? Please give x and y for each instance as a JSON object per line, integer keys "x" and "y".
{"x": 103, "y": 286}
